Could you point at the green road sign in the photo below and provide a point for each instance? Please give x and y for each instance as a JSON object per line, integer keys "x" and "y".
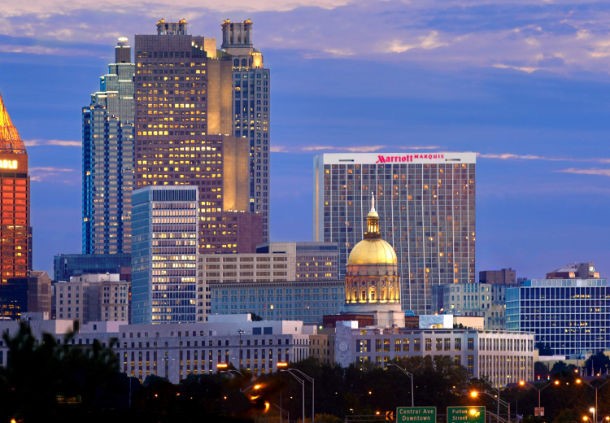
{"x": 416, "y": 414}
{"x": 472, "y": 414}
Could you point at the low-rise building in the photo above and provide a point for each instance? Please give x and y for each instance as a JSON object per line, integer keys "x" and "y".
{"x": 281, "y": 281}
{"x": 501, "y": 357}
{"x": 569, "y": 317}
{"x": 485, "y": 300}
{"x": 97, "y": 297}
{"x": 175, "y": 351}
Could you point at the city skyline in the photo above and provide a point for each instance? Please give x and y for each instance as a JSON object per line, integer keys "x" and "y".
{"x": 351, "y": 77}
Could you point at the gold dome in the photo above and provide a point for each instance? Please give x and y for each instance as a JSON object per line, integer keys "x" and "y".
{"x": 372, "y": 251}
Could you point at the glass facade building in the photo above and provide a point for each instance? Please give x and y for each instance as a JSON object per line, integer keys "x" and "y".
{"x": 108, "y": 134}
{"x": 68, "y": 265}
{"x": 15, "y": 232}
{"x": 426, "y": 204}
{"x": 307, "y": 301}
{"x": 164, "y": 254}
{"x": 569, "y": 316}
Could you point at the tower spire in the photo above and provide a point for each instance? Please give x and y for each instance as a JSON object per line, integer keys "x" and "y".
{"x": 10, "y": 141}
{"x": 372, "y": 222}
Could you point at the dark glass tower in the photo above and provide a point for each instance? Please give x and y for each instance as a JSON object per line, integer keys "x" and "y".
{"x": 15, "y": 233}
{"x": 108, "y": 159}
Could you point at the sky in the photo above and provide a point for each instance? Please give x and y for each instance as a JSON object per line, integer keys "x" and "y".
{"x": 525, "y": 84}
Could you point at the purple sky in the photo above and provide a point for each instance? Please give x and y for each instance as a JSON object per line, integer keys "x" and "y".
{"x": 523, "y": 83}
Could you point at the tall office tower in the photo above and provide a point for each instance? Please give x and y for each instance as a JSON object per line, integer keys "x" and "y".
{"x": 251, "y": 94}
{"x": 15, "y": 233}
{"x": 426, "y": 204}
{"x": 108, "y": 159}
{"x": 183, "y": 122}
{"x": 164, "y": 254}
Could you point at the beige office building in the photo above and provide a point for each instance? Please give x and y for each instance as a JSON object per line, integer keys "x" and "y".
{"x": 95, "y": 297}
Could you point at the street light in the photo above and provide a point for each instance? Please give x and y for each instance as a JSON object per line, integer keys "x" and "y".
{"x": 596, "y": 387}
{"x": 240, "y": 333}
{"x": 313, "y": 388}
{"x": 556, "y": 382}
{"x": 475, "y": 394}
{"x": 410, "y": 377}
{"x": 302, "y": 382}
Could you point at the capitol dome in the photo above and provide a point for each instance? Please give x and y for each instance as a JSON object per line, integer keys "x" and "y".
{"x": 372, "y": 283}
{"x": 372, "y": 249}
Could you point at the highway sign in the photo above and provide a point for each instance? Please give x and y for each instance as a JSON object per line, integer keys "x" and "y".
{"x": 468, "y": 414}
{"x": 415, "y": 414}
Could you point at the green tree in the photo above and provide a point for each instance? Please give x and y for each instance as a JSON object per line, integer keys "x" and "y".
{"x": 597, "y": 363}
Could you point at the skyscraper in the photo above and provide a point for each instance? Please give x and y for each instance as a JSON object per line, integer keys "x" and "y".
{"x": 426, "y": 204}
{"x": 15, "y": 233}
{"x": 251, "y": 92}
{"x": 108, "y": 159}
{"x": 183, "y": 132}
{"x": 164, "y": 257}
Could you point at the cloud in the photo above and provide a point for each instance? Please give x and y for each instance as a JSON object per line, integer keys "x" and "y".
{"x": 526, "y": 69}
{"x": 592, "y": 171}
{"x": 426, "y": 42}
{"x": 43, "y": 173}
{"x": 339, "y": 52}
{"x": 547, "y": 37}
{"x": 512, "y": 156}
{"x": 420, "y": 147}
{"x": 65, "y": 143}
{"x": 278, "y": 149}
{"x": 57, "y": 143}
{"x": 351, "y": 149}
{"x": 54, "y": 8}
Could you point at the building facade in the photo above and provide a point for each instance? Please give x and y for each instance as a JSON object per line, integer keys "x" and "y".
{"x": 15, "y": 232}
{"x": 501, "y": 277}
{"x": 501, "y": 357}
{"x": 175, "y": 351}
{"x": 251, "y": 110}
{"x": 426, "y": 203}
{"x": 265, "y": 281}
{"x": 164, "y": 254}
{"x": 183, "y": 132}
{"x": 93, "y": 297}
{"x": 32, "y": 294}
{"x": 487, "y": 300}
{"x": 307, "y": 301}
{"x": 108, "y": 135}
{"x": 567, "y": 316}
{"x": 67, "y": 265}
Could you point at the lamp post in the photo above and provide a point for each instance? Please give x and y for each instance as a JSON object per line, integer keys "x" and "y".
{"x": 402, "y": 369}
{"x": 302, "y": 382}
{"x": 240, "y": 333}
{"x": 540, "y": 389}
{"x": 303, "y": 375}
{"x": 475, "y": 394}
{"x": 596, "y": 387}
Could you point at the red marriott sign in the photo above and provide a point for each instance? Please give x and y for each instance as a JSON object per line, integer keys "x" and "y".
{"x": 408, "y": 158}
